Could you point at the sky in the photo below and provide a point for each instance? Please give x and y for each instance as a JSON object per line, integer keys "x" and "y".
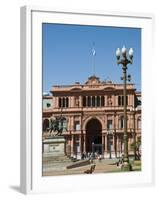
{"x": 68, "y": 58}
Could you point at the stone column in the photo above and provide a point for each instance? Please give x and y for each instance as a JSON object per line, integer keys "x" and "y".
{"x": 100, "y": 101}
{"x": 69, "y": 123}
{"x": 95, "y": 101}
{"x": 115, "y": 143}
{"x": 129, "y": 120}
{"x": 131, "y": 100}
{"x": 105, "y": 101}
{"x": 80, "y": 143}
{"x": 69, "y": 99}
{"x": 129, "y": 96}
{"x": 53, "y": 102}
{"x": 103, "y": 143}
{"x": 115, "y": 137}
{"x": 91, "y": 101}
{"x": 115, "y": 101}
{"x": 102, "y": 140}
{"x": 80, "y": 101}
{"x": 106, "y": 119}
{"x": 117, "y": 122}
{"x": 56, "y": 102}
{"x": 72, "y": 101}
{"x": 118, "y": 147}
{"x": 72, "y": 144}
{"x": 86, "y": 101}
{"x": 84, "y": 141}
{"x": 105, "y": 152}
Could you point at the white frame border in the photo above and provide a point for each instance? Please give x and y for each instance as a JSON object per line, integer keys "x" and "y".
{"x": 27, "y": 173}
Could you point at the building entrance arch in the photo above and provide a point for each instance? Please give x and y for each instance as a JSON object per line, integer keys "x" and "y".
{"x": 94, "y": 136}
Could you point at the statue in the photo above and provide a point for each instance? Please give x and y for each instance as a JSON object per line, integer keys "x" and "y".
{"x": 57, "y": 125}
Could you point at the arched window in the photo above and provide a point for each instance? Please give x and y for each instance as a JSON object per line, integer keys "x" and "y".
{"x": 63, "y": 102}
{"x": 93, "y": 101}
{"x": 119, "y": 100}
{"x": 122, "y": 102}
{"x": 66, "y": 103}
{"x": 63, "y": 123}
{"x": 84, "y": 101}
{"x": 89, "y": 101}
{"x": 45, "y": 124}
{"x": 59, "y": 102}
{"x": 77, "y": 125}
{"x": 102, "y": 100}
{"x": 139, "y": 123}
{"x": 109, "y": 124}
{"x": 121, "y": 122}
{"x": 98, "y": 101}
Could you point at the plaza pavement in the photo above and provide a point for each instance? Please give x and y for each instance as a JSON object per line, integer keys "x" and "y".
{"x": 103, "y": 166}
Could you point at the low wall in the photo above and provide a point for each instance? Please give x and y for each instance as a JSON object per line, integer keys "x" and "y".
{"x": 79, "y": 164}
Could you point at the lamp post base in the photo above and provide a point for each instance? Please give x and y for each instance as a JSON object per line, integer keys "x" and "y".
{"x": 126, "y": 167}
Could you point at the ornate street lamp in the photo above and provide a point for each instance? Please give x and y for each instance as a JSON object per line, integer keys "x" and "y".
{"x": 124, "y": 60}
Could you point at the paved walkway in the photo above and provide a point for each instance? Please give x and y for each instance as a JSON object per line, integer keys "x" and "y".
{"x": 103, "y": 166}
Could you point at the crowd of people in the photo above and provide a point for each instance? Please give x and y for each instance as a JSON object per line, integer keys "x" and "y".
{"x": 91, "y": 156}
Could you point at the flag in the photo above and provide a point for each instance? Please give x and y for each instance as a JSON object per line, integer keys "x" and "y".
{"x": 93, "y": 52}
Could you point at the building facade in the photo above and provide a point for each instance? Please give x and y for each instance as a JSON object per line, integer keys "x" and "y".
{"x": 93, "y": 116}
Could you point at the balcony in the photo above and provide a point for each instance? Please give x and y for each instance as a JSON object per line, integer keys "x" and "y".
{"x": 87, "y": 109}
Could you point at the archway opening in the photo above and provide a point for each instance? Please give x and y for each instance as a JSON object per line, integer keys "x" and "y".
{"x": 45, "y": 124}
{"x": 94, "y": 136}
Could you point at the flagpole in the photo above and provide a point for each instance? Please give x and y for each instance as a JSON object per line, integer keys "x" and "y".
{"x": 93, "y": 63}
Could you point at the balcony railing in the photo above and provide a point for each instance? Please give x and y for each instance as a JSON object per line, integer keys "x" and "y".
{"x": 55, "y": 109}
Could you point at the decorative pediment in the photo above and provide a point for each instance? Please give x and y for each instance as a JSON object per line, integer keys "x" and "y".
{"x": 76, "y": 89}
{"x": 93, "y": 80}
{"x": 109, "y": 88}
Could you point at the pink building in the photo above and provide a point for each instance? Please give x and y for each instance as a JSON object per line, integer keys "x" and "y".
{"x": 93, "y": 115}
